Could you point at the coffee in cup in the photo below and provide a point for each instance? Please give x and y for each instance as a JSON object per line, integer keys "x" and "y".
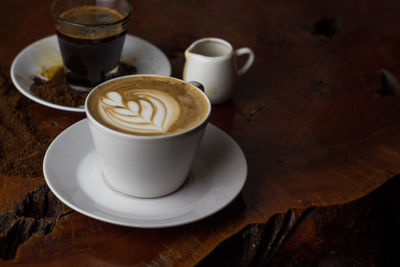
{"x": 148, "y": 106}
{"x": 91, "y": 36}
{"x": 146, "y": 130}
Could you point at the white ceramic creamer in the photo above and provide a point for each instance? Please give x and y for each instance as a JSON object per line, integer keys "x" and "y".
{"x": 212, "y": 62}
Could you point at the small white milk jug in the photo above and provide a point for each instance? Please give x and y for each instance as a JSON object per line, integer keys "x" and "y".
{"x": 212, "y": 62}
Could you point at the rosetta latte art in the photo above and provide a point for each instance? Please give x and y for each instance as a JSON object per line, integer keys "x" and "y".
{"x": 140, "y": 110}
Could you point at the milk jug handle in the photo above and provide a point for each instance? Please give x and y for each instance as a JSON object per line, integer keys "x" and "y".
{"x": 244, "y": 51}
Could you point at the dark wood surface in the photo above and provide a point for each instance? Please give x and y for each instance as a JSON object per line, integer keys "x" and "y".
{"x": 317, "y": 117}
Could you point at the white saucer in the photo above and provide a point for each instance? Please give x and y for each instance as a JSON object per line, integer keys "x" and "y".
{"x": 73, "y": 174}
{"x": 45, "y": 54}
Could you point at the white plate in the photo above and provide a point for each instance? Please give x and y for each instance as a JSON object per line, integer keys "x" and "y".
{"x": 45, "y": 54}
{"x": 73, "y": 174}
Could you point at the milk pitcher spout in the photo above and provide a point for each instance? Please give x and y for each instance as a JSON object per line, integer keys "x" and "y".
{"x": 212, "y": 62}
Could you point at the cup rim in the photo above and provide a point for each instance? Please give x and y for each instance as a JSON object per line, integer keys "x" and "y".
{"x": 211, "y": 39}
{"x": 146, "y": 137}
{"x": 57, "y": 17}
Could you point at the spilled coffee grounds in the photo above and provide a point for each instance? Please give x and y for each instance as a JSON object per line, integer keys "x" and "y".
{"x": 56, "y": 90}
{"x": 22, "y": 146}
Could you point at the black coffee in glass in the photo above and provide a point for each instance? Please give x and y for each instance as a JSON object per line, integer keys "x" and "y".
{"x": 91, "y": 38}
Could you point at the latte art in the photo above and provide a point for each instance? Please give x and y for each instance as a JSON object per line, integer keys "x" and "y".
{"x": 142, "y": 111}
{"x": 148, "y": 105}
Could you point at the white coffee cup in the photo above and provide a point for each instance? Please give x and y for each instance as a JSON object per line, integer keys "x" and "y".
{"x": 212, "y": 62}
{"x": 145, "y": 166}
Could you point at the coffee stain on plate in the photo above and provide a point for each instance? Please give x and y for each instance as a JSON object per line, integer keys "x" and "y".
{"x": 49, "y": 72}
{"x": 55, "y": 89}
{"x": 47, "y": 58}
{"x": 132, "y": 57}
{"x": 129, "y": 61}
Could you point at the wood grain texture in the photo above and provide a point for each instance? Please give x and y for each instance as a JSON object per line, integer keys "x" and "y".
{"x": 363, "y": 232}
{"x": 308, "y": 115}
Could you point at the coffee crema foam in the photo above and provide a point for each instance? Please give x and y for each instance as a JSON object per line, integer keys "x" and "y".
{"x": 143, "y": 106}
{"x": 93, "y": 17}
{"x": 147, "y": 111}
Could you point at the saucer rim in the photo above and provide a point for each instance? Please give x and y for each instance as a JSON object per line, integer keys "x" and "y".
{"x": 43, "y": 102}
{"x": 115, "y": 221}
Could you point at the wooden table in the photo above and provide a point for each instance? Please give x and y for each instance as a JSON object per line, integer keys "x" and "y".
{"x": 317, "y": 116}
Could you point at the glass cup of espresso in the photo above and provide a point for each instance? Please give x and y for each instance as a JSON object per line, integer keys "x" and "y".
{"x": 91, "y": 35}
